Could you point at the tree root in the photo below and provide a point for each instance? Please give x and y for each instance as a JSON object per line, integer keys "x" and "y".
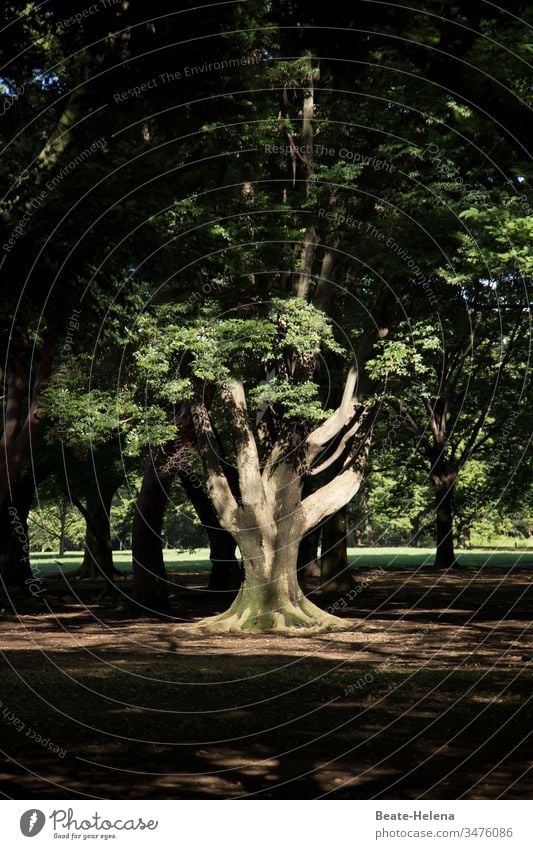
{"x": 303, "y": 616}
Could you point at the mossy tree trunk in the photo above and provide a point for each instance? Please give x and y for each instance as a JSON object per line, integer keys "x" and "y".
{"x": 269, "y": 517}
{"x": 270, "y": 598}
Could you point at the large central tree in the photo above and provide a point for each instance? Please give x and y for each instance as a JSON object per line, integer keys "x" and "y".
{"x": 261, "y": 439}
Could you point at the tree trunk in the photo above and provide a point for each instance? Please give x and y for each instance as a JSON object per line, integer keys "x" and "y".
{"x": 308, "y": 565}
{"x": 362, "y": 530}
{"x": 226, "y": 573}
{"x": 63, "y": 510}
{"x": 444, "y": 481}
{"x": 98, "y": 556}
{"x": 89, "y": 570}
{"x": 150, "y": 583}
{"x": 16, "y": 450}
{"x": 268, "y": 516}
{"x": 15, "y": 567}
{"x": 335, "y": 573}
{"x": 270, "y": 597}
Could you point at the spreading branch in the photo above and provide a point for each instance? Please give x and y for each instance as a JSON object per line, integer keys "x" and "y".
{"x": 338, "y": 492}
{"x": 341, "y": 449}
{"x": 331, "y": 428}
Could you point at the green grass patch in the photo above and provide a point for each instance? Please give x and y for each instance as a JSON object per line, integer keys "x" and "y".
{"x": 415, "y": 558}
{"x": 48, "y": 563}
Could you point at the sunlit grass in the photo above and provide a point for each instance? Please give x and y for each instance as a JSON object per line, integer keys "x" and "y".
{"x": 362, "y": 558}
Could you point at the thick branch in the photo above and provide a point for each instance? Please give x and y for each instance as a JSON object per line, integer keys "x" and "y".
{"x": 247, "y": 456}
{"x": 471, "y": 441}
{"x": 342, "y": 416}
{"x": 325, "y": 288}
{"x": 338, "y": 492}
{"x": 341, "y": 449}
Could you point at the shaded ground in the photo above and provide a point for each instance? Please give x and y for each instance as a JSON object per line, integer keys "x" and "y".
{"x": 429, "y": 696}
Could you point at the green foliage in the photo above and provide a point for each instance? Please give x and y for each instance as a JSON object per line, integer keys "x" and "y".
{"x": 54, "y": 521}
{"x": 399, "y": 358}
{"x": 175, "y": 357}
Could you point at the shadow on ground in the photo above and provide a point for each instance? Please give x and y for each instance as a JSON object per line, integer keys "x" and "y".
{"x": 428, "y": 696}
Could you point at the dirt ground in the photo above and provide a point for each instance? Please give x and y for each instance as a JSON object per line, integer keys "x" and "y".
{"x": 427, "y": 696}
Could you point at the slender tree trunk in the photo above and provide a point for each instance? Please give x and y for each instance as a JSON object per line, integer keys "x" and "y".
{"x": 226, "y": 572}
{"x": 150, "y": 583}
{"x": 444, "y": 480}
{"x": 98, "y": 557}
{"x": 89, "y": 565}
{"x": 308, "y": 565}
{"x": 335, "y": 573}
{"x": 63, "y": 509}
{"x": 362, "y": 530}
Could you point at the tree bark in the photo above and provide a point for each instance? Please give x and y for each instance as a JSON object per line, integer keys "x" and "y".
{"x": 17, "y": 443}
{"x": 362, "y": 530}
{"x": 15, "y": 568}
{"x": 150, "y": 583}
{"x": 444, "y": 479}
{"x": 335, "y": 573}
{"x": 308, "y": 565}
{"x": 270, "y": 598}
{"x": 226, "y": 572}
{"x": 62, "y": 527}
{"x": 98, "y": 557}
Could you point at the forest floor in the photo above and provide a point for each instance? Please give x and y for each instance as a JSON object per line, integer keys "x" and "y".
{"x": 428, "y": 696}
